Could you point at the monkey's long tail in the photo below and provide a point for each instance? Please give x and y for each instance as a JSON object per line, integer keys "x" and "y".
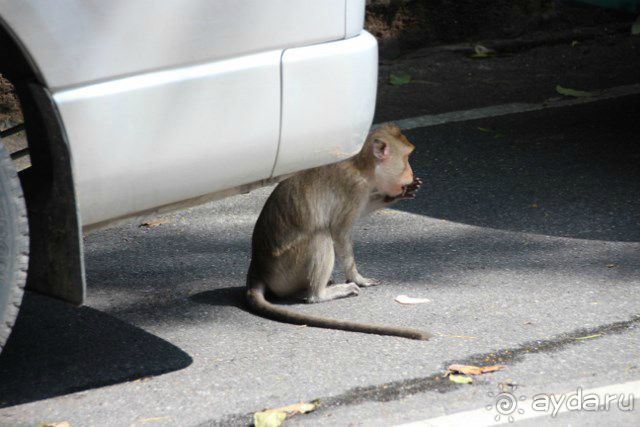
{"x": 258, "y": 303}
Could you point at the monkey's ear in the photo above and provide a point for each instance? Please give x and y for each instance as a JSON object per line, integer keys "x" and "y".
{"x": 380, "y": 149}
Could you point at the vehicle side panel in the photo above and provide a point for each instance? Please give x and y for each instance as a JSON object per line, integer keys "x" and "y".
{"x": 150, "y": 140}
{"x": 328, "y": 101}
{"x": 80, "y": 41}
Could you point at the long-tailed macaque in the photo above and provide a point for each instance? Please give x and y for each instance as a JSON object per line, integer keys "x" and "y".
{"x": 307, "y": 221}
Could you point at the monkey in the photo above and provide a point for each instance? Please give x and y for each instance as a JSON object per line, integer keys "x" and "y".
{"x": 307, "y": 220}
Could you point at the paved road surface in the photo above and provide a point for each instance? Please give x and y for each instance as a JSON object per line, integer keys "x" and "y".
{"x": 525, "y": 237}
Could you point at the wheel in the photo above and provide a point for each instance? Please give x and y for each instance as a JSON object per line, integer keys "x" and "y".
{"x": 14, "y": 245}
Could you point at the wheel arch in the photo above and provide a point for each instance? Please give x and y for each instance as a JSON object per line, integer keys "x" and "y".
{"x": 56, "y": 264}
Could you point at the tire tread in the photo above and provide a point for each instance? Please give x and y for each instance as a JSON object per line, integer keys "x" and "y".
{"x": 18, "y": 277}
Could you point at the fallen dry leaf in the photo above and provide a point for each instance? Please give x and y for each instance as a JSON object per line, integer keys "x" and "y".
{"x": 155, "y": 419}
{"x": 404, "y": 299}
{"x": 398, "y": 79}
{"x": 276, "y": 416}
{"x": 297, "y": 408}
{"x": 269, "y": 418}
{"x": 464, "y": 369}
{"x": 473, "y": 370}
{"x": 507, "y": 385}
{"x": 153, "y": 223}
{"x": 493, "y": 368}
{"x": 635, "y": 28}
{"x": 576, "y": 93}
{"x": 460, "y": 379}
{"x": 58, "y": 424}
{"x": 481, "y": 51}
{"x": 588, "y": 337}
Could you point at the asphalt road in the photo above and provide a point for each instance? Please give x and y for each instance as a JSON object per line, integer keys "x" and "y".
{"x": 525, "y": 237}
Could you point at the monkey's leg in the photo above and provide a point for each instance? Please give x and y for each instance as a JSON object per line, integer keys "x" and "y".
{"x": 321, "y": 260}
{"x": 344, "y": 249}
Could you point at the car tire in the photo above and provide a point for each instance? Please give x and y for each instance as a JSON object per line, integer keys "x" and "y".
{"x": 14, "y": 245}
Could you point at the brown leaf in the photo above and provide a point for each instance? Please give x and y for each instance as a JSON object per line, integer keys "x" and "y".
{"x": 297, "y": 408}
{"x": 473, "y": 370}
{"x": 58, "y": 424}
{"x": 493, "y": 368}
{"x": 465, "y": 369}
{"x": 153, "y": 223}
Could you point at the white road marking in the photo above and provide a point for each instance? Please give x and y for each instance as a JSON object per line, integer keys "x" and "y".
{"x": 504, "y": 109}
{"x": 523, "y": 410}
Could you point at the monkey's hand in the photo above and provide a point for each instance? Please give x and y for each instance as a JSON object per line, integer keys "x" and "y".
{"x": 409, "y": 191}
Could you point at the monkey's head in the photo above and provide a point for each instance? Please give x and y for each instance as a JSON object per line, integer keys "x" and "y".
{"x": 390, "y": 150}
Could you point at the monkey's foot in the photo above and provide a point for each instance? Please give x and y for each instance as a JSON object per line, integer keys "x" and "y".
{"x": 341, "y": 290}
{"x": 364, "y": 282}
